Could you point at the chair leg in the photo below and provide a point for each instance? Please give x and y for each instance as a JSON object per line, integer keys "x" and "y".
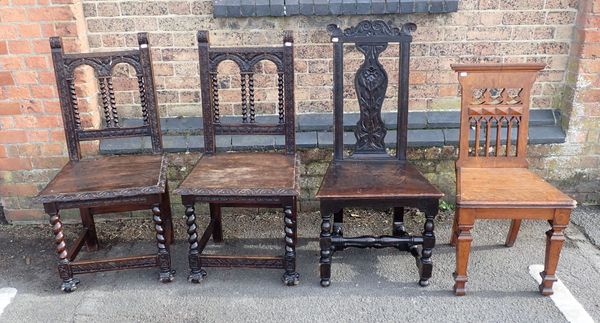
{"x": 165, "y": 208}
{"x": 69, "y": 283}
{"x": 290, "y": 277}
{"x": 326, "y": 250}
{"x": 466, "y": 221}
{"x": 398, "y": 228}
{"x": 215, "y": 215}
{"x": 515, "y": 225}
{"x": 196, "y": 272}
{"x": 454, "y": 232}
{"x": 87, "y": 219}
{"x": 338, "y": 223}
{"x": 166, "y": 275}
{"x": 425, "y": 263}
{"x": 554, "y": 241}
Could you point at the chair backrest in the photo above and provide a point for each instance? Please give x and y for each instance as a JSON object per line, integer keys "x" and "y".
{"x": 246, "y": 58}
{"x": 494, "y": 100}
{"x": 370, "y": 82}
{"x": 103, "y": 64}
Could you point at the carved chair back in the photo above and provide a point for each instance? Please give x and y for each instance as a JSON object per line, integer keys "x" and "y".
{"x": 103, "y": 64}
{"x": 371, "y": 82}
{"x": 494, "y": 100}
{"x": 246, "y": 59}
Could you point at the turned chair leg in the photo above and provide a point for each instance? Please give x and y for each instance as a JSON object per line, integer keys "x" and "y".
{"x": 398, "y": 228}
{"x": 87, "y": 219}
{"x": 167, "y": 217}
{"x": 215, "y": 215}
{"x": 554, "y": 241}
{"x": 425, "y": 263}
{"x": 166, "y": 275}
{"x": 290, "y": 277}
{"x": 466, "y": 221}
{"x": 69, "y": 283}
{"x": 196, "y": 271}
{"x": 326, "y": 250}
{"x": 338, "y": 223}
{"x": 454, "y": 232}
{"x": 515, "y": 225}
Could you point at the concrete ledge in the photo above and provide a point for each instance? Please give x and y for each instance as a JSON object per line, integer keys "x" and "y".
{"x": 426, "y": 129}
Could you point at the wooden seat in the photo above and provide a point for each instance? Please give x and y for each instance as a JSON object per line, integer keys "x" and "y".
{"x": 369, "y": 177}
{"x": 243, "y": 179}
{"x": 95, "y": 177}
{"x": 523, "y": 188}
{"x": 493, "y": 181}
{"x": 113, "y": 183}
{"x": 387, "y": 179}
{"x": 242, "y": 173}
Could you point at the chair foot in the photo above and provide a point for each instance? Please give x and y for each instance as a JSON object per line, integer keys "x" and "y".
{"x": 424, "y": 282}
{"x": 325, "y": 282}
{"x": 166, "y": 277}
{"x": 197, "y": 277}
{"x": 546, "y": 285}
{"x": 69, "y": 285}
{"x": 291, "y": 279}
{"x": 459, "y": 285}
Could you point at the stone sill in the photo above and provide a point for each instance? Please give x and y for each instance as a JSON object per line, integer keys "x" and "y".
{"x": 426, "y": 129}
{"x": 283, "y": 8}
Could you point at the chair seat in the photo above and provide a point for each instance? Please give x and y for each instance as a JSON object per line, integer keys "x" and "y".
{"x": 507, "y": 187}
{"x": 372, "y": 179}
{"x": 242, "y": 174}
{"x": 107, "y": 177}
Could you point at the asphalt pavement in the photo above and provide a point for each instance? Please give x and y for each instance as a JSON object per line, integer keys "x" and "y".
{"x": 367, "y": 285}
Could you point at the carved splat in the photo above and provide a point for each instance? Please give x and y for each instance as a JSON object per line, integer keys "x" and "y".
{"x": 103, "y": 65}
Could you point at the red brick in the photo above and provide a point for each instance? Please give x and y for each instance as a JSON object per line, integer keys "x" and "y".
{"x": 16, "y": 92}
{"x": 47, "y": 29}
{"x": 590, "y": 95}
{"x": 51, "y": 14}
{"x": 7, "y": 122}
{"x": 19, "y": 46}
{"x": 13, "y": 14}
{"x": 30, "y": 30}
{"x": 8, "y": 31}
{"x": 23, "y": 2}
{"x": 38, "y": 135}
{"x": 9, "y": 108}
{"x": 3, "y": 153}
{"x": 25, "y": 214}
{"x": 36, "y": 62}
{"x": 10, "y": 62}
{"x": 65, "y": 29}
{"x": 53, "y": 150}
{"x": 590, "y": 50}
{"x": 41, "y": 46}
{"x": 49, "y": 162}
{"x": 18, "y": 189}
{"x": 25, "y": 77}
{"x": 15, "y": 163}
{"x": 43, "y": 91}
{"x": 6, "y": 79}
{"x": 3, "y": 48}
{"x": 46, "y": 77}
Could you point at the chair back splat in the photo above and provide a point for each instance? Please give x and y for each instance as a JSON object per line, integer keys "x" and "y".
{"x": 371, "y": 38}
{"x": 495, "y": 100}
{"x": 103, "y": 63}
{"x": 246, "y": 59}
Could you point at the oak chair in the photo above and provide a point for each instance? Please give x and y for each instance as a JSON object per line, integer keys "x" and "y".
{"x": 109, "y": 183}
{"x": 492, "y": 178}
{"x": 238, "y": 179}
{"x": 370, "y": 177}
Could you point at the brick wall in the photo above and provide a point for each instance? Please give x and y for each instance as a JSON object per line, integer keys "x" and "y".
{"x": 561, "y": 33}
{"x": 481, "y": 31}
{"x": 32, "y": 143}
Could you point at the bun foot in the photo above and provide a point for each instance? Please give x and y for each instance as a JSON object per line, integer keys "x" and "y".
{"x": 325, "y": 282}
{"x": 424, "y": 282}
{"x": 69, "y": 285}
{"x": 291, "y": 279}
{"x": 197, "y": 277}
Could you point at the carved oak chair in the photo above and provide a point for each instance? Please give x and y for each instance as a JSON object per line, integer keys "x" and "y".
{"x": 265, "y": 179}
{"x": 492, "y": 178}
{"x": 370, "y": 177}
{"x": 110, "y": 183}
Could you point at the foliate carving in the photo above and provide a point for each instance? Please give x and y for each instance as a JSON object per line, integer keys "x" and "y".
{"x": 496, "y": 95}
{"x": 117, "y": 264}
{"x": 513, "y": 95}
{"x": 238, "y": 191}
{"x": 371, "y": 84}
{"x": 373, "y": 28}
{"x": 246, "y": 59}
{"x": 216, "y": 261}
{"x": 478, "y": 96}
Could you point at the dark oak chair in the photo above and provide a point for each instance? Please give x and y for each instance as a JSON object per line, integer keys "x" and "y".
{"x": 369, "y": 177}
{"x": 238, "y": 179}
{"x": 492, "y": 179}
{"x": 110, "y": 183}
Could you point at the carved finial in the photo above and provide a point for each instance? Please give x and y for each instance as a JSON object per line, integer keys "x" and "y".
{"x": 56, "y": 43}
{"x": 334, "y": 30}
{"x": 409, "y": 28}
{"x": 288, "y": 36}
{"x": 143, "y": 39}
{"x": 202, "y": 36}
